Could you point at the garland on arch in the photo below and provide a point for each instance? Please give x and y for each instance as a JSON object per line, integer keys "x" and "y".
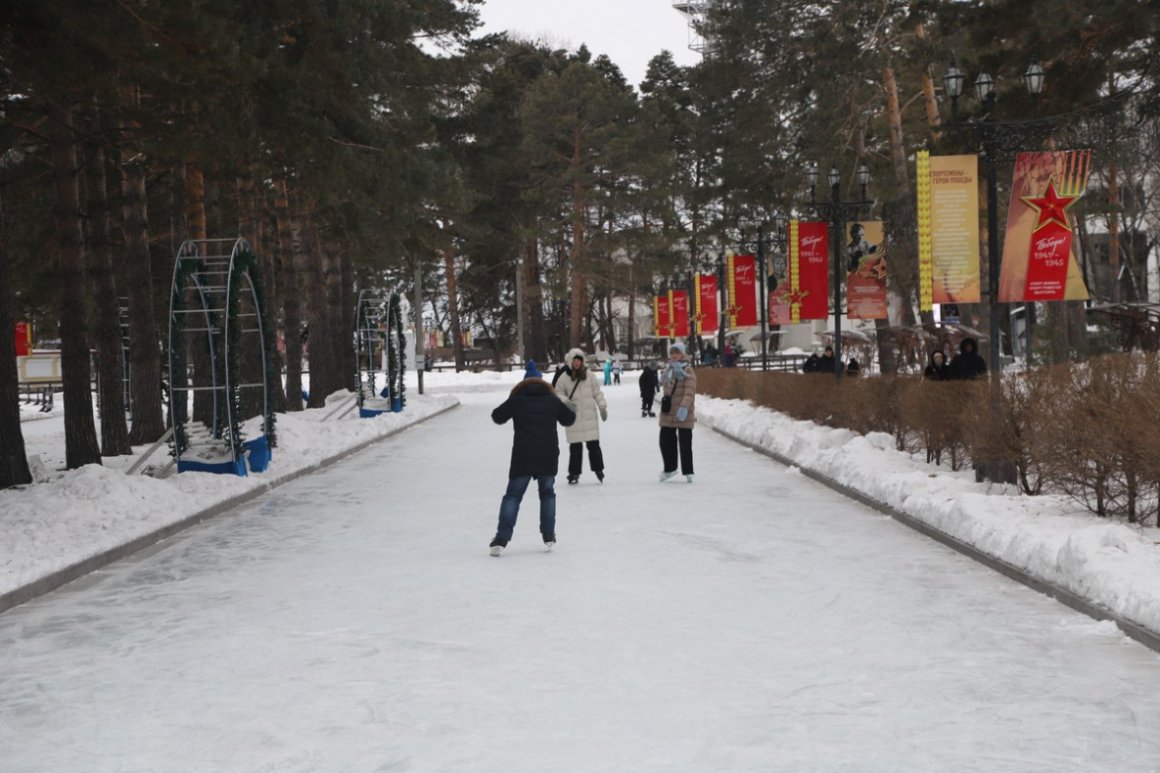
{"x": 396, "y": 354}
{"x": 246, "y": 263}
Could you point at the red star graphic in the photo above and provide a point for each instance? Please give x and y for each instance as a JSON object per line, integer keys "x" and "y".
{"x": 1051, "y": 206}
{"x": 797, "y": 296}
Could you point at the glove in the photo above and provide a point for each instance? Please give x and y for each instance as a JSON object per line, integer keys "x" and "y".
{"x": 682, "y": 413}
{"x": 604, "y": 414}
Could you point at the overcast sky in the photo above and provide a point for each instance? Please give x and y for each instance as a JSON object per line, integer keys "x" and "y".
{"x": 631, "y": 32}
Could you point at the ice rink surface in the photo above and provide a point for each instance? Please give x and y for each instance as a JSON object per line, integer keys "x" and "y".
{"x": 751, "y": 621}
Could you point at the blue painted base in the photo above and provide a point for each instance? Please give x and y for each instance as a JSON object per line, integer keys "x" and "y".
{"x": 367, "y": 413}
{"x": 397, "y": 405}
{"x": 236, "y": 467}
{"x": 258, "y": 453}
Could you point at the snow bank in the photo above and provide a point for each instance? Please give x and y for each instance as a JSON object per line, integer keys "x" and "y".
{"x": 1113, "y": 564}
{"x": 82, "y": 513}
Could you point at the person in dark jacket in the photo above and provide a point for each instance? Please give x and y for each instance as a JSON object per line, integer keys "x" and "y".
{"x": 968, "y": 364}
{"x": 853, "y": 368}
{"x": 534, "y": 409}
{"x": 811, "y": 363}
{"x": 649, "y": 386}
{"x": 826, "y": 362}
{"x": 937, "y": 370}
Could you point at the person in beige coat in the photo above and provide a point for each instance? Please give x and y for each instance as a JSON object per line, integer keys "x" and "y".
{"x": 679, "y": 396}
{"x": 582, "y": 392}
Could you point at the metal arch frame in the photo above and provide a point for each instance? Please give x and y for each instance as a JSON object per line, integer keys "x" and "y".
{"x": 223, "y": 382}
{"x": 365, "y": 335}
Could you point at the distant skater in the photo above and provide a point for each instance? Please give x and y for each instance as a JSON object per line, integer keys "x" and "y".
{"x": 679, "y": 390}
{"x": 581, "y": 390}
{"x": 649, "y": 386}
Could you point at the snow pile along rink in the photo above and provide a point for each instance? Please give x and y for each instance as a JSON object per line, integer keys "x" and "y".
{"x": 83, "y": 513}
{"x": 1109, "y": 563}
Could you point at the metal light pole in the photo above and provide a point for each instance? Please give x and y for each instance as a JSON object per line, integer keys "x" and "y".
{"x": 723, "y": 311}
{"x": 763, "y": 300}
{"x": 1034, "y": 79}
{"x": 835, "y": 212}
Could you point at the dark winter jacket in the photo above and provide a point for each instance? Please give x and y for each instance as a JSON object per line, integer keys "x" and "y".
{"x": 940, "y": 372}
{"x": 535, "y": 410}
{"x": 811, "y": 363}
{"x": 649, "y": 382}
{"x": 825, "y": 365}
{"x": 968, "y": 364}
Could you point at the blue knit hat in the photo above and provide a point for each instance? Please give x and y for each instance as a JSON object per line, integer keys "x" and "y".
{"x": 678, "y": 346}
{"x": 532, "y": 371}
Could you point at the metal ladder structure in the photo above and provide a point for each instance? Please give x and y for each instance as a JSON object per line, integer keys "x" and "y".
{"x": 378, "y": 334}
{"x": 215, "y": 294}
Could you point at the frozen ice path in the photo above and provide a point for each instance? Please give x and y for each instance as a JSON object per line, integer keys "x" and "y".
{"x": 754, "y": 621}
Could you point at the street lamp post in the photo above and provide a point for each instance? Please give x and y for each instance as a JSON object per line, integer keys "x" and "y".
{"x": 763, "y": 309}
{"x": 993, "y": 135}
{"x": 992, "y": 132}
{"x": 835, "y": 211}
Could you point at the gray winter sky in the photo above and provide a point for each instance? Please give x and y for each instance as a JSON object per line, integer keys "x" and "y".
{"x": 631, "y": 32}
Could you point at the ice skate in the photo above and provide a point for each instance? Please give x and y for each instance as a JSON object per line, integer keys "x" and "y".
{"x": 549, "y": 542}
{"x": 689, "y": 478}
{"x": 666, "y": 475}
{"x": 497, "y": 546}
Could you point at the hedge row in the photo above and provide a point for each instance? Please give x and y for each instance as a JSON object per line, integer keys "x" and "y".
{"x": 1087, "y": 430}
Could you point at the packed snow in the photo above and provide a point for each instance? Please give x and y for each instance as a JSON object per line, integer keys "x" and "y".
{"x": 352, "y": 620}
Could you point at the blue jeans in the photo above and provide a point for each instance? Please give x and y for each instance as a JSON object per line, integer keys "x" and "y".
{"x": 509, "y": 508}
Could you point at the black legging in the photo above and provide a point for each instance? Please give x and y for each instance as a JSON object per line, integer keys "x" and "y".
{"x": 576, "y": 457}
{"x": 670, "y": 438}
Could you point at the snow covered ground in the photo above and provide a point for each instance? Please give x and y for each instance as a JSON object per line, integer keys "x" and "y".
{"x": 351, "y": 620}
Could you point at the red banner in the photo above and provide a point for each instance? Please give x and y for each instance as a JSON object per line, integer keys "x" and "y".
{"x": 742, "y": 291}
{"x": 23, "y": 339}
{"x": 707, "y": 318}
{"x": 661, "y": 314}
{"x": 680, "y": 310}
{"x": 813, "y": 271}
{"x": 1039, "y": 263}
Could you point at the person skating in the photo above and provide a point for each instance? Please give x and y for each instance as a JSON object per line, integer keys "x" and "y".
{"x": 679, "y": 390}
{"x": 581, "y": 390}
{"x": 649, "y": 386}
{"x": 534, "y": 409}
{"x": 608, "y": 372}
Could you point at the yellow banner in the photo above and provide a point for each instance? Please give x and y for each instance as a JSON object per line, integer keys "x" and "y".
{"x": 925, "y": 257}
{"x": 954, "y": 229}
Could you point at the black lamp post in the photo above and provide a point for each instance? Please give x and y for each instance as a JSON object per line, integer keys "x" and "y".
{"x": 993, "y": 134}
{"x": 835, "y": 211}
{"x": 763, "y": 310}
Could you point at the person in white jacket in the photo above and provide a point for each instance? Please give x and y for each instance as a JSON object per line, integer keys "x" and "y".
{"x": 582, "y": 392}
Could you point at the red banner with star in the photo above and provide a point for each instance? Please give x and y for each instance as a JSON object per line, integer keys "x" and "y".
{"x": 813, "y": 282}
{"x": 679, "y": 306}
{"x": 742, "y": 277}
{"x": 661, "y": 315}
{"x": 1039, "y": 262}
{"x": 706, "y": 317}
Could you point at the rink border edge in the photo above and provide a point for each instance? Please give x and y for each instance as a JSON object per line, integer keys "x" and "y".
{"x": 68, "y": 574}
{"x": 1135, "y": 631}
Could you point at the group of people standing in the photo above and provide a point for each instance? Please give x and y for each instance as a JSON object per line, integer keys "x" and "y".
{"x": 576, "y": 401}
{"x": 826, "y": 363}
{"x": 966, "y": 365}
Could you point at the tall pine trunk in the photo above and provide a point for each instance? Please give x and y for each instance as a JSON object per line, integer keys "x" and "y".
{"x": 106, "y": 319}
{"x": 579, "y": 275}
{"x": 534, "y": 300}
{"x": 144, "y": 352}
{"x": 13, "y": 462}
{"x": 195, "y": 229}
{"x": 338, "y": 339}
{"x": 347, "y": 300}
{"x": 453, "y": 309}
{"x": 80, "y": 431}
{"x": 291, "y": 296}
{"x": 321, "y": 341}
{"x": 273, "y": 281}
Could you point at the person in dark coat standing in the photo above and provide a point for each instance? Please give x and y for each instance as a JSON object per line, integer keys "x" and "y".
{"x": 968, "y": 364}
{"x": 826, "y": 362}
{"x": 937, "y": 370}
{"x": 534, "y": 409}
{"x": 649, "y": 386}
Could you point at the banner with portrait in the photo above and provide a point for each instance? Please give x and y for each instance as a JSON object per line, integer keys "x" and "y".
{"x": 741, "y": 273}
{"x": 948, "y": 229}
{"x": 865, "y": 254}
{"x": 706, "y": 313}
{"x": 1039, "y": 259}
